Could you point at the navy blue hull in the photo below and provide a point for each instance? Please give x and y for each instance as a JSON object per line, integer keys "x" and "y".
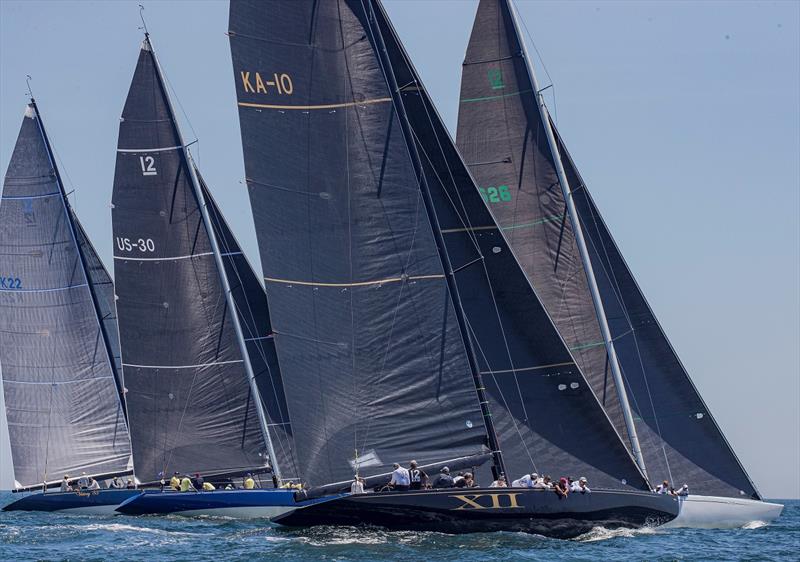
{"x": 464, "y": 510}
{"x": 89, "y": 500}
{"x": 233, "y": 503}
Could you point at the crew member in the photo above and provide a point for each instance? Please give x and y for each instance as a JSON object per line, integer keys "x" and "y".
{"x": 561, "y": 488}
{"x": 130, "y": 485}
{"x": 443, "y": 479}
{"x": 663, "y": 488}
{"x": 400, "y": 478}
{"x": 83, "y": 481}
{"x": 93, "y": 484}
{"x": 186, "y": 484}
{"x": 175, "y": 481}
{"x": 65, "y": 487}
{"x": 526, "y": 481}
{"x": 249, "y": 483}
{"x": 197, "y": 481}
{"x": 357, "y": 487}
{"x": 499, "y": 483}
{"x": 208, "y": 487}
{"x": 417, "y": 477}
{"x": 580, "y": 486}
{"x": 683, "y": 491}
{"x": 117, "y": 483}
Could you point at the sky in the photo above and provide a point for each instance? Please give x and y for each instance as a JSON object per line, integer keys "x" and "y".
{"x": 683, "y": 117}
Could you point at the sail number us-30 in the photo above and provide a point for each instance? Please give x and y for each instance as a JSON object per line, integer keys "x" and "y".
{"x": 141, "y": 244}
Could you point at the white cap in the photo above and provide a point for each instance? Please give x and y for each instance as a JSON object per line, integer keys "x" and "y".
{"x": 583, "y": 479}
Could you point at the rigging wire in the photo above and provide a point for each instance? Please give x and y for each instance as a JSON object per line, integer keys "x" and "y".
{"x": 541, "y": 60}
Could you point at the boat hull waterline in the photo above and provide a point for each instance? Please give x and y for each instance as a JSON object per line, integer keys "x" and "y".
{"x": 713, "y": 512}
{"x": 238, "y": 504}
{"x": 457, "y": 511}
{"x": 89, "y": 502}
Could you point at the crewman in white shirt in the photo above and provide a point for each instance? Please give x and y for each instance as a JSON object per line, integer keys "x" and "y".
{"x": 401, "y": 480}
{"x": 663, "y": 488}
{"x": 526, "y": 481}
{"x": 581, "y": 486}
{"x": 357, "y": 487}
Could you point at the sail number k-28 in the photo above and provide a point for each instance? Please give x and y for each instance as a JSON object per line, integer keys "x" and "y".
{"x": 280, "y": 83}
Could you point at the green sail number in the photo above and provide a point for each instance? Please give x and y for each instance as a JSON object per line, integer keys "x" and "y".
{"x": 495, "y": 194}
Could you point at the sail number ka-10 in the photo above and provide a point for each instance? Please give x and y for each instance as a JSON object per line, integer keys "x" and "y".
{"x": 252, "y": 82}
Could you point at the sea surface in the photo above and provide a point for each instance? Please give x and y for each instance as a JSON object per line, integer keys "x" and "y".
{"x": 49, "y": 536}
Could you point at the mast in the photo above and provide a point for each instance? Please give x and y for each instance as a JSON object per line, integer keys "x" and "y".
{"x": 498, "y": 467}
{"x": 73, "y": 232}
{"x": 251, "y": 379}
{"x": 616, "y": 371}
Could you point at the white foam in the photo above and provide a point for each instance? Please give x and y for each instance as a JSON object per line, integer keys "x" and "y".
{"x": 603, "y": 534}
{"x": 755, "y": 525}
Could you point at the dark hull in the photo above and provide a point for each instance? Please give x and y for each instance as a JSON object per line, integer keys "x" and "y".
{"x": 231, "y": 503}
{"x": 490, "y": 509}
{"x": 94, "y": 501}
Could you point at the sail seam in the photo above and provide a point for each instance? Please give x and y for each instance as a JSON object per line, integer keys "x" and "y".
{"x": 358, "y": 283}
{"x": 165, "y": 259}
{"x": 516, "y": 370}
{"x": 497, "y": 97}
{"x": 44, "y": 290}
{"x": 163, "y": 149}
{"x": 31, "y": 196}
{"x": 321, "y": 106}
{"x": 182, "y": 366}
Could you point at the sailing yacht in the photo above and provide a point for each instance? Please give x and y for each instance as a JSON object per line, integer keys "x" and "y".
{"x": 404, "y": 325}
{"x": 541, "y": 203}
{"x": 204, "y": 389}
{"x": 59, "y": 349}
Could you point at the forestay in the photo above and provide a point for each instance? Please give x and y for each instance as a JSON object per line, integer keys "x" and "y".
{"x": 62, "y": 404}
{"x": 366, "y": 333}
{"x": 502, "y": 138}
{"x": 189, "y": 399}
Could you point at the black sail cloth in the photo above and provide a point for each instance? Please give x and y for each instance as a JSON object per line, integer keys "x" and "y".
{"x": 371, "y": 354}
{"x": 62, "y": 404}
{"x": 365, "y": 327}
{"x": 546, "y": 415}
{"x": 502, "y": 137}
{"x": 188, "y": 398}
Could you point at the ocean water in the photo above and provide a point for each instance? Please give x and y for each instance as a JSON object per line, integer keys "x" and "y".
{"x": 48, "y": 536}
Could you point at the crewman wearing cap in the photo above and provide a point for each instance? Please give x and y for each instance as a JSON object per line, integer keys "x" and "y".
{"x": 175, "y": 481}
{"x": 443, "y": 479}
{"x": 580, "y": 486}
{"x": 401, "y": 480}
{"x": 65, "y": 487}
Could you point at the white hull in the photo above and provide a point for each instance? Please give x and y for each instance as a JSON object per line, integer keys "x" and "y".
{"x": 251, "y": 512}
{"x": 712, "y": 512}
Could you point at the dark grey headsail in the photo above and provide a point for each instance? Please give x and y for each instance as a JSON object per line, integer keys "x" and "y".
{"x": 503, "y": 139}
{"x": 362, "y": 311}
{"x": 253, "y": 313}
{"x": 366, "y": 333}
{"x": 189, "y": 399}
{"x": 58, "y": 373}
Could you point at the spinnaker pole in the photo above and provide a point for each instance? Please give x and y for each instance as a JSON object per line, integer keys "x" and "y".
{"x": 498, "y": 467}
{"x": 577, "y": 229}
{"x": 226, "y": 287}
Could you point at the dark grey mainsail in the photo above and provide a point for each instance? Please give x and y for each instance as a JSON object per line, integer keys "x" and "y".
{"x": 365, "y": 322}
{"x": 62, "y": 402}
{"x": 189, "y": 397}
{"x": 366, "y": 333}
{"x": 503, "y": 138}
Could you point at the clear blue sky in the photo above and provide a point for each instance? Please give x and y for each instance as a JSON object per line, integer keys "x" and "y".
{"x": 684, "y": 118}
